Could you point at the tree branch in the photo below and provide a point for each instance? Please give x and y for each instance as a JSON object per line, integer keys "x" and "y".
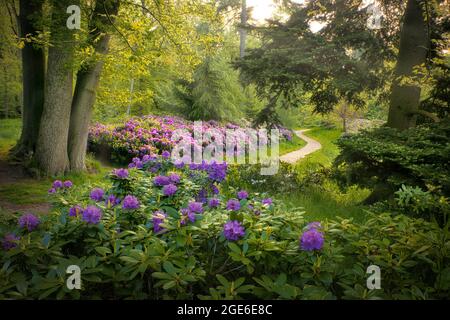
{"x": 145, "y": 9}
{"x": 11, "y": 18}
{"x": 114, "y": 26}
{"x": 427, "y": 114}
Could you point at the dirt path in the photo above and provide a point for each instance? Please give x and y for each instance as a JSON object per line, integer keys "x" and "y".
{"x": 311, "y": 146}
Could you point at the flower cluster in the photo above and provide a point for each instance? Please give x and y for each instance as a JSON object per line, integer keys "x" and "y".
{"x": 9, "y": 241}
{"x": 59, "y": 185}
{"x": 233, "y": 230}
{"x": 158, "y": 218}
{"x": 233, "y": 205}
{"x": 121, "y": 173}
{"x": 92, "y": 215}
{"x": 312, "y": 239}
{"x": 97, "y": 194}
{"x": 29, "y": 221}
{"x": 130, "y": 203}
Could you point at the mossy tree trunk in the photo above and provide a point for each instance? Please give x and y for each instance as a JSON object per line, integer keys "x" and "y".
{"x": 51, "y": 150}
{"x": 413, "y": 50}
{"x": 33, "y": 75}
{"x": 87, "y": 83}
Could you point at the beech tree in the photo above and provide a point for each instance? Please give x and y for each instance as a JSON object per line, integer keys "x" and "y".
{"x": 51, "y": 147}
{"x": 87, "y": 81}
{"x": 33, "y": 76}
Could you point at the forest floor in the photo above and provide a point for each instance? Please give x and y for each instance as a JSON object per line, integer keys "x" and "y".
{"x": 311, "y": 146}
{"x": 19, "y": 191}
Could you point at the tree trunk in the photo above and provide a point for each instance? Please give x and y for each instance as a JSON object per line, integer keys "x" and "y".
{"x": 130, "y": 100}
{"x": 33, "y": 74}
{"x": 243, "y": 31}
{"x": 5, "y": 93}
{"x": 87, "y": 83}
{"x": 51, "y": 150}
{"x": 414, "y": 45}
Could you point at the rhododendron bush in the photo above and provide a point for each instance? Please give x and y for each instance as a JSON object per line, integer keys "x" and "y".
{"x": 159, "y": 231}
{"x": 150, "y": 135}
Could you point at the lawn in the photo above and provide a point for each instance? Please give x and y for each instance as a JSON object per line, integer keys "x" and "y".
{"x": 27, "y": 191}
{"x": 326, "y": 201}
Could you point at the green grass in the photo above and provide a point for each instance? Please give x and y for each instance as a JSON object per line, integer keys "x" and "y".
{"x": 324, "y": 156}
{"x": 293, "y": 145}
{"x": 34, "y": 191}
{"x": 327, "y": 202}
{"x": 9, "y": 134}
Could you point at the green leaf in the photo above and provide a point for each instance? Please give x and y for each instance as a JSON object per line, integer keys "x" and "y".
{"x": 223, "y": 280}
{"x": 161, "y": 275}
{"x": 103, "y": 250}
{"x": 234, "y": 247}
{"x": 169, "y": 285}
{"x": 170, "y": 269}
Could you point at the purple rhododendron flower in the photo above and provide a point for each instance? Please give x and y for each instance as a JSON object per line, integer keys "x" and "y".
{"x": 139, "y": 165}
{"x": 166, "y": 154}
{"x": 267, "y": 201}
{"x": 29, "y": 221}
{"x": 242, "y": 194}
{"x": 186, "y": 215}
{"x": 121, "y": 173}
{"x": 311, "y": 240}
{"x": 75, "y": 211}
{"x": 158, "y": 218}
{"x": 51, "y": 190}
{"x": 57, "y": 184}
{"x": 214, "y": 203}
{"x": 97, "y": 194}
{"x": 68, "y": 184}
{"x": 161, "y": 181}
{"x": 233, "y": 230}
{"x": 174, "y": 178}
{"x": 178, "y": 164}
{"x": 233, "y": 205}
{"x": 130, "y": 203}
{"x": 112, "y": 201}
{"x": 92, "y": 215}
{"x": 217, "y": 172}
{"x": 169, "y": 190}
{"x": 202, "y": 196}
{"x": 9, "y": 241}
{"x": 196, "y": 207}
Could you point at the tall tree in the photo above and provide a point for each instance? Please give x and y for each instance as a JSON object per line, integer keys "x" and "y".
{"x": 51, "y": 149}
{"x": 87, "y": 81}
{"x": 243, "y": 30}
{"x": 336, "y": 63}
{"x": 33, "y": 74}
{"x": 413, "y": 50}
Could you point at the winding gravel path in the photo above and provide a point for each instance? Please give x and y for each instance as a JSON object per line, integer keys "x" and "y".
{"x": 311, "y": 146}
